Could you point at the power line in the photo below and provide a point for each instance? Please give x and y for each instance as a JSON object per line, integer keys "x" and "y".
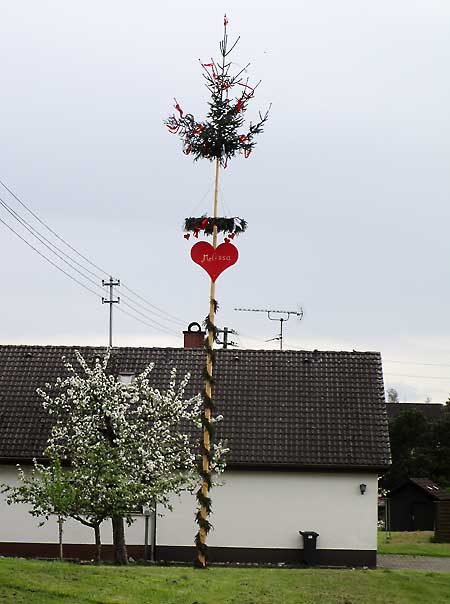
{"x": 414, "y": 363}
{"x": 76, "y": 280}
{"x": 40, "y": 236}
{"x": 384, "y": 361}
{"x": 50, "y": 261}
{"x": 424, "y": 377}
{"x": 391, "y": 360}
{"x": 153, "y": 306}
{"x": 23, "y": 204}
{"x": 125, "y": 312}
{"x": 167, "y": 329}
{"x": 31, "y": 230}
{"x": 102, "y": 271}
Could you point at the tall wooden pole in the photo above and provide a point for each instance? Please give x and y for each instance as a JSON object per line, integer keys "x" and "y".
{"x": 208, "y": 385}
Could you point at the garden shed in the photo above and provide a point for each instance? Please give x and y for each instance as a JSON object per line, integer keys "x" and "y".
{"x": 413, "y": 505}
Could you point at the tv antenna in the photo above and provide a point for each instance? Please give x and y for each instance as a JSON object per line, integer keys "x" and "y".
{"x": 271, "y": 314}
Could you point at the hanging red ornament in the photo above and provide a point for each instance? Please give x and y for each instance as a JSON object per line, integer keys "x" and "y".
{"x": 178, "y": 108}
{"x": 232, "y": 235}
{"x": 198, "y": 129}
{"x": 214, "y": 261}
{"x": 204, "y": 223}
{"x": 212, "y": 69}
{"x": 196, "y": 234}
{"x": 248, "y": 95}
{"x": 187, "y": 235}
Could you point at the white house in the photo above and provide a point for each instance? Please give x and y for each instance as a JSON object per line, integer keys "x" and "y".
{"x": 308, "y": 439}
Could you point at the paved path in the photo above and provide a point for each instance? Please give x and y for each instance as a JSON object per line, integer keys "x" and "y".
{"x": 397, "y": 562}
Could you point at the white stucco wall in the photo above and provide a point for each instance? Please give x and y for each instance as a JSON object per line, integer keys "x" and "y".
{"x": 17, "y": 525}
{"x": 252, "y": 509}
{"x": 267, "y": 509}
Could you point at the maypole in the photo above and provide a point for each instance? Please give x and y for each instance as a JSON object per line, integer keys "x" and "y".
{"x": 216, "y": 139}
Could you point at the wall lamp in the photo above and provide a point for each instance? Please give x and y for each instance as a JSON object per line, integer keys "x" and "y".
{"x": 362, "y": 488}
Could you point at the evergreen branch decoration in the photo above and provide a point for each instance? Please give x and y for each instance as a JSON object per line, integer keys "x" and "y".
{"x": 223, "y": 134}
{"x": 234, "y": 226}
{"x": 204, "y": 501}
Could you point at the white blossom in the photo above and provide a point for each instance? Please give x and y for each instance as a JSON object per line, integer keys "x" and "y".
{"x": 114, "y": 448}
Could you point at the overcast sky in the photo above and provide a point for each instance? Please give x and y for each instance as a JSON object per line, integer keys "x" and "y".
{"x": 346, "y": 194}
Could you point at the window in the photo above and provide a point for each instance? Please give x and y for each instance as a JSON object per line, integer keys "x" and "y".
{"x": 126, "y": 378}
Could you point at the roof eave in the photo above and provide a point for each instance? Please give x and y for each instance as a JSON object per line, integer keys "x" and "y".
{"x": 293, "y": 467}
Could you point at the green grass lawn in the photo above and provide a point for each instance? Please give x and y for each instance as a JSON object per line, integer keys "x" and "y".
{"x": 416, "y": 543}
{"x": 35, "y": 582}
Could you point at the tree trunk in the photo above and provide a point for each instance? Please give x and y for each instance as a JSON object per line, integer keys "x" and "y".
{"x": 98, "y": 545}
{"x": 120, "y": 549}
{"x": 60, "y": 537}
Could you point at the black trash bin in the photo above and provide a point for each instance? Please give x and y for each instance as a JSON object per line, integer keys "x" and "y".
{"x": 310, "y": 553}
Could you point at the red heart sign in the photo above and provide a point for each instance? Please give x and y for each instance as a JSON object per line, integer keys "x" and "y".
{"x": 214, "y": 261}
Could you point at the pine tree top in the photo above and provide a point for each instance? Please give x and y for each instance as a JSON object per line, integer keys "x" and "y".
{"x": 223, "y": 133}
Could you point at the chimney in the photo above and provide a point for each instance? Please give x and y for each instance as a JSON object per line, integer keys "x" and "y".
{"x": 194, "y": 337}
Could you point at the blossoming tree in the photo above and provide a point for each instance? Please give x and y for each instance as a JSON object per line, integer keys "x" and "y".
{"x": 123, "y": 445}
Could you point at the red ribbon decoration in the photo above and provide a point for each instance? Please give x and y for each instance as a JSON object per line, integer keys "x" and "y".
{"x": 186, "y": 236}
{"x": 178, "y": 108}
{"x": 173, "y": 129}
{"x": 232, "y": 235}
{"x": 187, "y": 150}
{"x": 249, "y": 87}
{"x": 238, "y": 106}
{"x": 242, "y": 140}
{"x": 212, "y": 69}
{"x": 199, "y": 128}
{"x": 204, "y": 223}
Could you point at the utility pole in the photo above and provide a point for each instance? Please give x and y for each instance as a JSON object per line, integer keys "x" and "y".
{"x": 225, "y": 342}
{"x": 285, "y": 315}
{"x": 111, "y": 284}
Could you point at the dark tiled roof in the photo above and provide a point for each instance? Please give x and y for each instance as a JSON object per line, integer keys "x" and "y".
{"x": 432, "y": 411}
{"x": 426, "y": 485}
{"x": 280, "y": 408}
{"x": 431, "y": 488}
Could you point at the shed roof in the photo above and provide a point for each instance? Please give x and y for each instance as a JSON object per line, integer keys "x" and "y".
{"x": 281, "y": 409}
{"x": 428, "y": 486}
